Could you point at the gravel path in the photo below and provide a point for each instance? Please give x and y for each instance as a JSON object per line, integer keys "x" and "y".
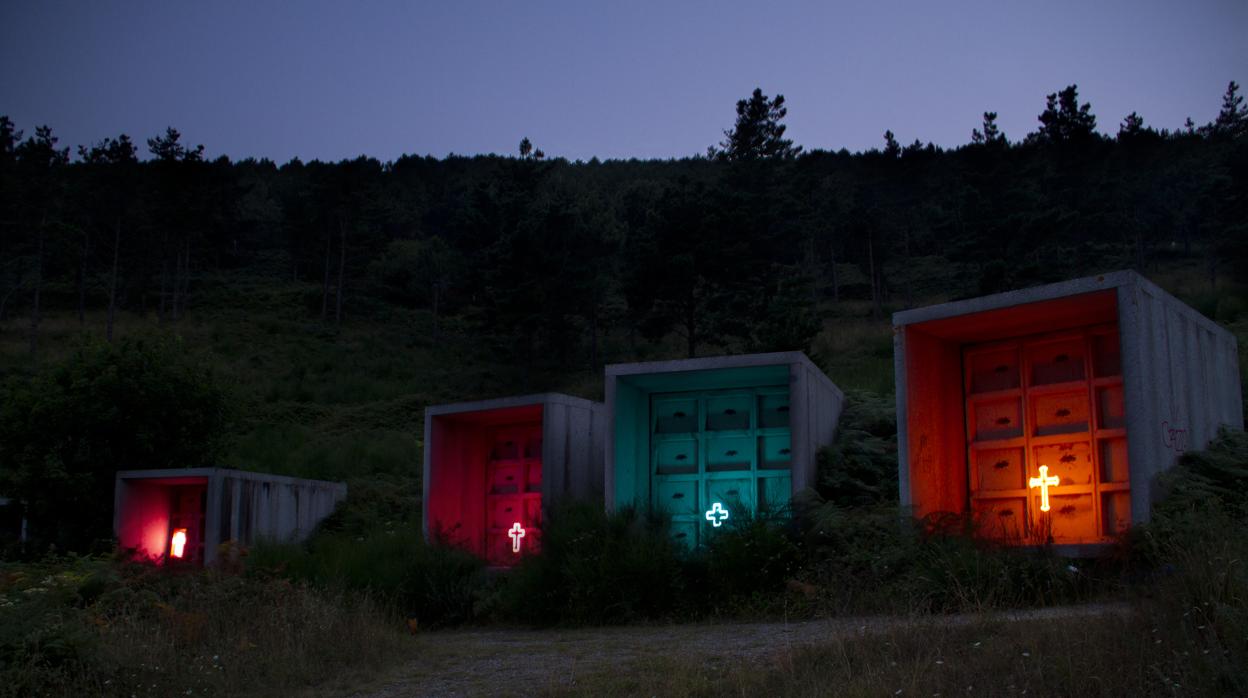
{"x": 522, "y": 662}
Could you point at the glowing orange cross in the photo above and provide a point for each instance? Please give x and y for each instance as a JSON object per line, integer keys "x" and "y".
{"x": 1044, "y": 482}
{"x": 516, "y": 533}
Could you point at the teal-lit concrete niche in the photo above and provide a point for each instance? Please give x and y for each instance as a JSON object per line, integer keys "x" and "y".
{"x": 707, "y": 440}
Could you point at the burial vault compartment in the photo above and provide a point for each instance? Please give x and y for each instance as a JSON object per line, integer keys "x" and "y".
{"x": 492, "y": 466}
{"x": 1046, "y": 414}
{"x": 181, "y": 516}
{"x": 703, "y": 440}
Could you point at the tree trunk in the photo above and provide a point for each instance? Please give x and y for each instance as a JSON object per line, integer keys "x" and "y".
{"x": 437, "y": 296}
{"x": 342, "y": 268}
{"x": 34, "y": 314}
{"x": 812, "y": 266}
{"x": 329, "y": 240}
{"x": 177, "y": 284}
{"x": 593, "y": 335}
{"x": 909, "y": 300}
{"x": 1211, "y": 267}
{"x": 877, "y": 311}
{"x": 179, "y": 299}
{"x": 82, "y": 273}
{"x": 836, "y": 284}
{"x": 4, "y": 302}
{"x": 164, "y": 275}
{"x": 691, "y": 328}
{"x": 112, "y": 283}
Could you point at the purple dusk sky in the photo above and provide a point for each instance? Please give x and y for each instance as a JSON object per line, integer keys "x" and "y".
{"x": 582, "y": 79}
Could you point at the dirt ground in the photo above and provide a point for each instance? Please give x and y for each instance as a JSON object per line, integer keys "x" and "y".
{"x": 525, "y": 662}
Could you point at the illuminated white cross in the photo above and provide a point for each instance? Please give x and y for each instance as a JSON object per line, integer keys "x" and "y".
{"x": 717, "y": 515}
{"x": 516, "y": 533}
{"x": 1044, "y": 482}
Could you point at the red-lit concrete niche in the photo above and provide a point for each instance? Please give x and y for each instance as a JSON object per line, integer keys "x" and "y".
{"x": 1046, "y": 413}
{"x": 181, "y": 516}
{"x": 491, "y": 465}
{"x": 163, "y": 518}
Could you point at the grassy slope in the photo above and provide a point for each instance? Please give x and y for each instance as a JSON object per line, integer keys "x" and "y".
{"x": 348, "y": 404}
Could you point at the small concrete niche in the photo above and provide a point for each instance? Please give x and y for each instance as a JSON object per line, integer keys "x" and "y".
{"x": 705, "y": 440}
{"x": 1045, "y": 414}
{"x": 182, "y": 516}
{"x": 492, "y": 466}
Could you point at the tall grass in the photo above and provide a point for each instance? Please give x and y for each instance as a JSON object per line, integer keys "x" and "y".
{"x": 90, "y": 627}
{"x": 429, "y": 584}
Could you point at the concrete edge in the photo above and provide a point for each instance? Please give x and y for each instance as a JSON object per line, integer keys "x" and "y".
{"x": 508, "y": 401}
{"x": 1022, "y": 296}
{"x": 224, "y": 472}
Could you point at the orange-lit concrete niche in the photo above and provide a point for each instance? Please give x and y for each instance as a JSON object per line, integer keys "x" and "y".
{"x": 1046, "y": 413}
{"x": 490, "y": 466}
{"x": 181, "y": 516}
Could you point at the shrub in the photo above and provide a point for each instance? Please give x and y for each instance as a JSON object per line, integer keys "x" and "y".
{"x": 432, "y": 583}
{"x": 596, "y": 568}
{"x": 749, "y": 560}
{"x": 860, "y": 468}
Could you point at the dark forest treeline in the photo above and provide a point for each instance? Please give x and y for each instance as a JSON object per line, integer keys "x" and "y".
{"x": 538, "y": 257}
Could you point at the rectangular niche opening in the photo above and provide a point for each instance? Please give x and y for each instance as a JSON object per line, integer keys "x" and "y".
{"x": 1045, "y": 436}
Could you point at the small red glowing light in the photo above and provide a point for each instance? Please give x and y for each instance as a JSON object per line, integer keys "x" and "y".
{"x": 177, "y": 543}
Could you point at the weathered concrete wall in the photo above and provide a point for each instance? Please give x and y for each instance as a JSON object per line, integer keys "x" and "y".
{"x": 815, "y": 404}
{"x": 1181, "y": 379}
{"x": 254, "y": 506}
{"x": 572, "y": 449}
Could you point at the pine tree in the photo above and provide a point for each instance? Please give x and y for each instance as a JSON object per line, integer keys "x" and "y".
{"x": 892, "y": 149}
{"x": 1064, "y": 120}
{"x": 1232, "y": 121}
{"x": 1132, "y": 129}
{"x": 758, "y": 133}
{"x": 991, "y": 135}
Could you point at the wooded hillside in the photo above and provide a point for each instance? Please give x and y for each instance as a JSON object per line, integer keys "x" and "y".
{"x": 536, "y": 258}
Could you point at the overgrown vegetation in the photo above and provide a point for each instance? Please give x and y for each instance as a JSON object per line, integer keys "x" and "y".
{"x": 1184, "y": 633}
{"x": 79, "y": 626}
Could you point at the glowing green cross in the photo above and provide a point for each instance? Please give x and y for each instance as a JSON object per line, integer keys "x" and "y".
{"x": 717, "y": 515}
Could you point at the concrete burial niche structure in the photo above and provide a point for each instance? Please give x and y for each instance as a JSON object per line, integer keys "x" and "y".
{"x": 708, "y": 439}
{"x": 491, "y": 466}
{"x": 1047, "y": 413}
{"x": 182, "y": 515}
